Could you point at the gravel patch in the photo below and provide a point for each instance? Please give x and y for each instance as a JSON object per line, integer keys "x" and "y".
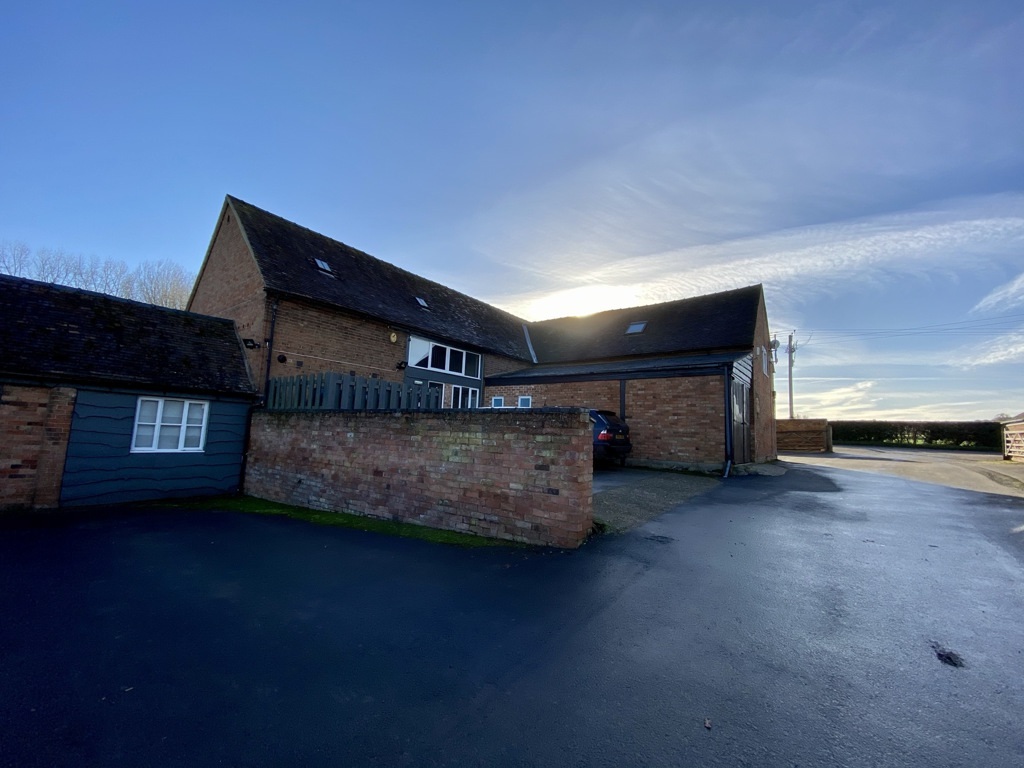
{"x": 643, "y": 495}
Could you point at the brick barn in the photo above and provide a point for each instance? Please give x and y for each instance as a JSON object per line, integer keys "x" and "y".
{"x": 693, "y": 377}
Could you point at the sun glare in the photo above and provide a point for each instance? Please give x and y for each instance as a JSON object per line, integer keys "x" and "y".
{"x": 584, "y": 300}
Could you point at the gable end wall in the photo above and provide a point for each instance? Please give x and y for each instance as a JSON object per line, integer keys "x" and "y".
{"x": 230, "y": 285}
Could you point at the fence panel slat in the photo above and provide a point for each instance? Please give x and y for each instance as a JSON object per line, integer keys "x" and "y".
{"x": 331, "y": 391}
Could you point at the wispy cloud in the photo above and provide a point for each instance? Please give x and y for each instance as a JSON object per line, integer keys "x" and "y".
{"x": 805, "y": 262}
{"x": 1005, "y": 348}
{"x": 871, "y": 399}
{"x": 1005, "y": 296}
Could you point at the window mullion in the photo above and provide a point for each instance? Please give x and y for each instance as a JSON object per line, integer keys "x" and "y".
{"x": 159, "y": 423}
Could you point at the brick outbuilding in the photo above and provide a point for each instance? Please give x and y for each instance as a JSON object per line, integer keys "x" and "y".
{"x": 106, "y": 400}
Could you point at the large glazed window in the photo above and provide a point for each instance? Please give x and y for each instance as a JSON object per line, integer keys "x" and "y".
{"x": 169, "y": 426}
{"x": 438, "y": 357}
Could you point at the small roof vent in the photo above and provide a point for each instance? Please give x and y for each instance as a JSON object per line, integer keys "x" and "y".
{"x": 637, "y": 327}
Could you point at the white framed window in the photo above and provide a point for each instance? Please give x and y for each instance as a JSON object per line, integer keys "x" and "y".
{"x": 525, "y": 401}
{"x": 465, "y": 397}
{"x": 498, "y": 401}
{"x": 168, "y": 425}
{"x": 438, "y": 357}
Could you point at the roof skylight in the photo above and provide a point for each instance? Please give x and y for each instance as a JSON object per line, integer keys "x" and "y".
{"x": 422, "y": 302}
{"x": 637, "y": 327}
{"x": 323, "y": 265}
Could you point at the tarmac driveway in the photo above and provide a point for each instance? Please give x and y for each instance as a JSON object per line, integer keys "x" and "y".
{"x": 801, "y": 617}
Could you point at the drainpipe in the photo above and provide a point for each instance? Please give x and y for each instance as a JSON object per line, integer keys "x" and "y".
{"x": 727, "y": 371}
{"x": 270, "y": 347}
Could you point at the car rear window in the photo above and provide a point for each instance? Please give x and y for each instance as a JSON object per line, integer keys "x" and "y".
{"x": 611, "y": 418}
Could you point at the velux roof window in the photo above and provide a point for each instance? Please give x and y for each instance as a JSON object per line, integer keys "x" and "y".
{"x": 323, "y": 266}
{"x": 422, "y": 302}
{"x": 637, "y": 327}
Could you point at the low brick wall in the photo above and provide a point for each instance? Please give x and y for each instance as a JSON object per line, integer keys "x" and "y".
{"x": 35, "y": 423}
{"x": 806, "y": 435}
{"x": 524, "y": 475}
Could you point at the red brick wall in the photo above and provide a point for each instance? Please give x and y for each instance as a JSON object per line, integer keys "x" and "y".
{"x": 331, "y": 340}
{"x": 34, "y": 426}
{"x": 495, "y": 364}
{"x": 677, "y": 421}
{"x": 804, "y": 435}
{"x": 762, "y": 394}
{"x": 519, "y": 476}
{"x": 603, "y": 395}
{"x": 230, "y": 285}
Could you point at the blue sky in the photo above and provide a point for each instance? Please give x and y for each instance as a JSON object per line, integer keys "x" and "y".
{"x": 864, "y": 161}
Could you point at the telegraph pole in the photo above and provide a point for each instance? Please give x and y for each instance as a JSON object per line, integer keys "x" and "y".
{"x": 791, "y": 348}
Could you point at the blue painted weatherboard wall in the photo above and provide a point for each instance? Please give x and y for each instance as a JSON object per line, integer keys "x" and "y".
{"x": 101, "y": 469}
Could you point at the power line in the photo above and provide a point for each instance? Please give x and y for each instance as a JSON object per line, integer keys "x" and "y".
{"x": 980, "y": 327}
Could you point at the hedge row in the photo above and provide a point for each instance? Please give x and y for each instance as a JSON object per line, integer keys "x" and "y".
{"x": 938, "y": 434}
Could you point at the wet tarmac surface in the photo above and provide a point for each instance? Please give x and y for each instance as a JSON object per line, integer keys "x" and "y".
{"x": 809, "y": 619}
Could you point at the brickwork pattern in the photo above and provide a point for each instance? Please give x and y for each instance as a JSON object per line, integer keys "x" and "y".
{"x": 520, "y": 476}
{"x": 603, "y": 395}
{"x": 35, "y": 423}
{"x": 230, "y": 285}
{"x": 677, "y": 421}
{"x": 803, "y": 435}
{"x": 332, "y": 340}
{"x": 495, "y": 364}
{"x": 762, "y": 391}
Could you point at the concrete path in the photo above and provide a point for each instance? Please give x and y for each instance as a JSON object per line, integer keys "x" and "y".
{"x": 972, "y": 471}
{"x": 810, "y": 619}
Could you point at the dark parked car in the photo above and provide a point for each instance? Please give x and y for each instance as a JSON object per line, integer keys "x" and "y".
{"x": 611, "y": 437}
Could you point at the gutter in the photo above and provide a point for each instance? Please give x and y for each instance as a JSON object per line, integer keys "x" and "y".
{"x": 727, "y": 370}
{"x": 270, "y": 347}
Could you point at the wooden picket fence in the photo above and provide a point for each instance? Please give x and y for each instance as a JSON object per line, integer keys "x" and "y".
{"x": 345, "y": 392}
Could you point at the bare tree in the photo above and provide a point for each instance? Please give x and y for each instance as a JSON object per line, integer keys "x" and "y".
{"x": 53, "y": 265}
{"x": 161, "y": 282}
{"x": 15, "y": 258}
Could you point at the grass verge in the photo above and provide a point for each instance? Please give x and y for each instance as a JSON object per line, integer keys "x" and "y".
{"x": 252, "y": 505}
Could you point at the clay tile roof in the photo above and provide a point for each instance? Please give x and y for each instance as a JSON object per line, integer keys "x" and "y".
{"x": 288, "y": 256}
{"x": 57, "y": 334}
{"x": 715, "y": 322}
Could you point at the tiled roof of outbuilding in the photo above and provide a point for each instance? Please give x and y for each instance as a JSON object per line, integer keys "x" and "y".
{"x": 715, "y": 322}
{"x": 287, "y": 255}
{"x": 55, "y": 333}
